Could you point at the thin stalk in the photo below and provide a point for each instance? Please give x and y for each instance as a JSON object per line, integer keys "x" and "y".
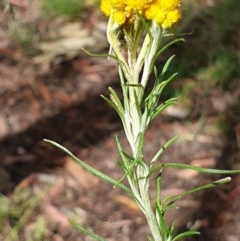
{"x": 148, "y": 210}
{"x": 151, "y": 218}
{"x": 140, "y": 183}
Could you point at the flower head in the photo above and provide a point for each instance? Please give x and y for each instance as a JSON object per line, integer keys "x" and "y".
{"x": 164, "y": 12}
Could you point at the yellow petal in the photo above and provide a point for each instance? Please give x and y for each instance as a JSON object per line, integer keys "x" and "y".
{"x": 106, "y": 7}
{"x": 172, "y": 18}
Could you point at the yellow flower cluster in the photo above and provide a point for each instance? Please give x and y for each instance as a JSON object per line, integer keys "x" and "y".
{"x": 164, "y": 12}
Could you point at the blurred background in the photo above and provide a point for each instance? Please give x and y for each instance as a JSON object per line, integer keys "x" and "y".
{"x": 50, "y": 88}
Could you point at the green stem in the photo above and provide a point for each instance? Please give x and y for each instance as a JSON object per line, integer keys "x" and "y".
{"x": 135, "y": 123}
{"x": 143, "y": 182}
{"x": 141, "y": 185}
{"x": 151, "y": 219}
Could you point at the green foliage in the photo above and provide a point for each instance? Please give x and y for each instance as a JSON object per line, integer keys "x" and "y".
{"x": 87, "y": 232}
{"x": 15, "y": 212}
{"x": 212, "y": 52}
{"x": 222, "y": 71}
{"x": 68, "y": 8}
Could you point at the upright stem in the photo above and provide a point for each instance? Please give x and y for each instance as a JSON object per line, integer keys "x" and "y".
{"x": 136, "y": 63}
{"x": 143, "y": 184}
{"x": 141, "y": 168}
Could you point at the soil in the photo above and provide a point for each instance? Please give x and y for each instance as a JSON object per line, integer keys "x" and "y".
{"x": 59, "y": 99}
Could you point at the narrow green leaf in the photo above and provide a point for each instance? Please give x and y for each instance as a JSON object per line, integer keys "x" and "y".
{"x": 198, "y": 169}
{"x": 114, "y": 106}
{"x": 158, "y": 187}
{"x": 197, "y": 189}
{"x": 162, "y": 84}
{"x": 138, "y": 104}
{"x": 163, "y": 148}
{"x": 153, "y": 97}
{"x": 155, "y": 71}
{"x": 168, "y": 198}
{"x": 87, "y": 232}
{"x": 171, "y": 229}
{"x": 166, "y": 65}
{"x": 97, "y": 55}
{"x": 127, "y": 161}
{"x": 116, "y": 100}
{"x": 166, "y": 82}
{"x": 108, "y": 55}
{"x": 166, "y": 46}
{"x": 125, "y": 158}
{"x": 185, "y": 234}
{"x": 170, "y": 207}
{"x": 91, "y": 169}
{"x": 140, "y": 139}
{"x": 161, "y": 221}
{"x": 163, "y": 106}
{"x": 128, "y": 171}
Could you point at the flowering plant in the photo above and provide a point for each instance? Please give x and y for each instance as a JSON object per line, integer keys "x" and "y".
{"x": 135, "y": 32}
